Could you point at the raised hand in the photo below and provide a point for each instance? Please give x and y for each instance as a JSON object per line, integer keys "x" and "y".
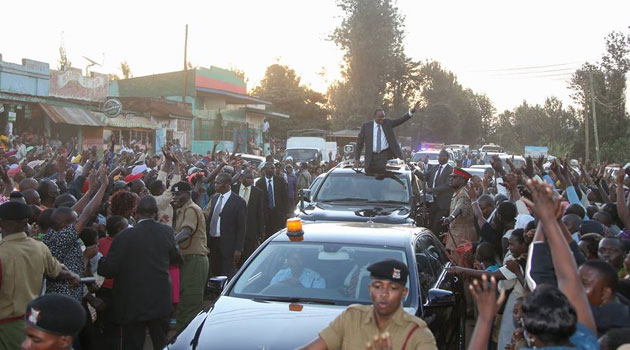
{"x": 528, "y": 169}
{"x": 472, "y": 192}
{"x": 544, "y": 204}
{"x": 485, "y": 295}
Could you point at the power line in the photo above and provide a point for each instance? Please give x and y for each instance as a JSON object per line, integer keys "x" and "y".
{"x": 568, "y": 70}
{"x": 530, "y": 67}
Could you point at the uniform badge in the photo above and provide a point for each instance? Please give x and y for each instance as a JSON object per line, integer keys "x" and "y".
{"x": 33, "y": 316}
{"x": 396, "y": 274}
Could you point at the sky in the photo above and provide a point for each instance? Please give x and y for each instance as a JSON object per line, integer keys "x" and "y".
{"x": 491, "y": 45}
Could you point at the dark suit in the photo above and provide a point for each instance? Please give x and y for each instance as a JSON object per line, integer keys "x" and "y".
{"x": 232, "y": 234}
{"x": 275, "y": 217}
{"x": 255, "y": 219}
{"x": 366, "y": 136}
{"x": 442, "y": 194}
{"x": 138, "y": 260}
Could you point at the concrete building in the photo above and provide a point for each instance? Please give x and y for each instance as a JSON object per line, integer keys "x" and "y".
{"x": 222, "y": 109}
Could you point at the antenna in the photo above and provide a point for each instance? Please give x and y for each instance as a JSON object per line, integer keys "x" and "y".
{"x": 92, "y": 63}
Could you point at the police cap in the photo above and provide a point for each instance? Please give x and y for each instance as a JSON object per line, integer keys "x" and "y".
{"x": 56, "y": 314}
{"x": 181, "y": 186}
{"x": 14, "y": 211}
{"x": 390, "y": 269}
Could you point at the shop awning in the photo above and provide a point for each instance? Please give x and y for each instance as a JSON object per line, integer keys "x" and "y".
{"x": 69, "y": 115}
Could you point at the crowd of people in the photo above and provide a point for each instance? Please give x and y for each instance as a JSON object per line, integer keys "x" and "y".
{"x": 131, "y": 236}
{"x": 550, "y": 239}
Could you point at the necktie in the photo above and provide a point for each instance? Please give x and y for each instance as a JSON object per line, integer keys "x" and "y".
{"x": 215, "y": 218}
{"x": 246, "y": 194}
{"x": 270, "y": 194}
{"x": 437, "y": 176}
{"x": 378, "y": 139}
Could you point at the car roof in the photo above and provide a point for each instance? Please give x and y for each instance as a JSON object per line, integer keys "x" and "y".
{"x": 391, "y": 170}
{"x": 355, "y": 233}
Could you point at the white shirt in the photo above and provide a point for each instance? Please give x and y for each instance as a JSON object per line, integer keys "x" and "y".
{"x": 224, "y": 198}
{"x": 241, "y": 192}
{"x": 384, "y": 144}
{"x": 265, "y": 127}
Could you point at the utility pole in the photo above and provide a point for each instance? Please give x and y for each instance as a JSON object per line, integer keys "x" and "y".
{"x": 594, "y": 120}
{"x": 185, "y": 66}
{"x": 586, "y": 145}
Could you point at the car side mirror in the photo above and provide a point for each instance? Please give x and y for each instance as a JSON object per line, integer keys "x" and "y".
{"x": 440, "y": 298}
{"x": 305, "y": 196}
{"x": 216, "y": 284}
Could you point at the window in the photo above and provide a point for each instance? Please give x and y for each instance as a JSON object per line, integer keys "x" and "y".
{"x": 330, "y": 271}
{"x": 365, "y": 187}
{"x": 428, "y": 259}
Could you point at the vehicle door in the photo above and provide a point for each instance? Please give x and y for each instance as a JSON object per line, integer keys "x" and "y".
{"x": 439, "y": 294}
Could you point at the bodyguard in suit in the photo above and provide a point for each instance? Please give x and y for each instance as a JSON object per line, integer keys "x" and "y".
{"x": 255, "y": 199}
{"x": 276, "y": 199}
{"x": 226, "y": 215}
{"x": 437, "y": 184}
{"x": 380, "y": 142}
{"x": 138, "y": 260}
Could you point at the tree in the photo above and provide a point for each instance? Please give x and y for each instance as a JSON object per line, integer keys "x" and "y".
{"x": 126, "y": 70}
{"x": 306, "y": 108}
{"x": 64, "y": 62}
{"x": 603, "y": 85}
{"x": 375, "y": 70}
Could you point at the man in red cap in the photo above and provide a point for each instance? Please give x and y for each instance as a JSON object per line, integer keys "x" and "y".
{"x": 461, "y": 225}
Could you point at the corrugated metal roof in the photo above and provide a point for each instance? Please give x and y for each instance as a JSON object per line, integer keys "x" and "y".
{"x": 234, "y": 97}
{"x": 267, "y": 113}
{"x": 69, "y": 115}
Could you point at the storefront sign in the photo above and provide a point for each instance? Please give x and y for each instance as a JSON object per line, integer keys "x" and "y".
{"x": 112, "y": 108}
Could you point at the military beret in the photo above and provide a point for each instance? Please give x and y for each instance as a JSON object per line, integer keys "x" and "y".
{"x": 57, "y": 314}
{"x": 390, "y": 269}
{"x": 181, "y": 186}
{"x": 15, "y": 211}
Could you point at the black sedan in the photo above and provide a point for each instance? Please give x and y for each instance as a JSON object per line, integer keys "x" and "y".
{"x": 264, "y": 307}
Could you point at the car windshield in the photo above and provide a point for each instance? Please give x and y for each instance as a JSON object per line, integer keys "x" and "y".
{"x": 389, "y": 188}
{"x": 423, "y": 155}
{"x": 301, "y": 154}
{"x": 328, "y": 273}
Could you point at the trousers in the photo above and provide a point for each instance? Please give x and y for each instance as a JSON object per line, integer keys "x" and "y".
{"x": 12, "y": 335}
{"x": 134, "y": 334}
{"x": 193, "y": 278}
{"x": 378, "y": 163}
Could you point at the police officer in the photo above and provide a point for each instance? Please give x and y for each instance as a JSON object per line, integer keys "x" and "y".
{"x": 23, "y": 263}
{"x": 190, "y": 233}
{"x": 52, "y": 321}
{"x": 382, "y": 325}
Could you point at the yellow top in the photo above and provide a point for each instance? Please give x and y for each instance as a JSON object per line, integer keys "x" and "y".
{"x": 25, "y": 261}
{"x": 357, "y": 325}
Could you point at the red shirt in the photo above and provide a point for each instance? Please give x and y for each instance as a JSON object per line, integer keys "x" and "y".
{"x": 103, "y": 246}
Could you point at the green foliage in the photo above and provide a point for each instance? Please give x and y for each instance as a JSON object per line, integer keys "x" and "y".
{"x": 450, "y": 113}
{"x": 126, "y": 70}
{"x": 549, "y": 125}
{"x": 605, "y": 84}
{"x": 306, "y": 108}
{"x": 376, "y": 71}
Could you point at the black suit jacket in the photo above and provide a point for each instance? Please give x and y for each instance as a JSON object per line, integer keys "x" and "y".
{"x": 280, "y": 194}
{"x": 138, "y": 260}
{"x": 255, "y": 212}
{"x": 442, "y": 191}
{"x": 233, "y": 223}
{"x": 366, "y": 137}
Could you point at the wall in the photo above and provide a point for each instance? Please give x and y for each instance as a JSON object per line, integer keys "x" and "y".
{"x": 159, "y": 85}
{"x": 30, "y": 78}
{"x": 73, "y": 84}
{"x": 220, "y": 79}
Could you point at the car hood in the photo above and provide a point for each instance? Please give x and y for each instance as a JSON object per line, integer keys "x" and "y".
{"x": 358, "y": 212}
{"x": 237, "y": 323}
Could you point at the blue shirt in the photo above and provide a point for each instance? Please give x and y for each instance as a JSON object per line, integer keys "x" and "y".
{"x": 308, "y": 278}
{"x": 582, "y": 339}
